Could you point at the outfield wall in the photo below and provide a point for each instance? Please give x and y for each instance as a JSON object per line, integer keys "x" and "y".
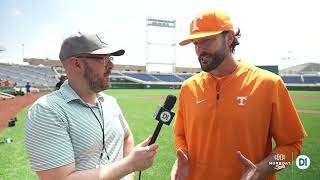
{"x": 303, "y": 87}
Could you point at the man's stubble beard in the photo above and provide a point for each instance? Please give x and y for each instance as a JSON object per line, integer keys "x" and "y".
{"x": 95, "y": 82}
{"x": 215, "y": 59}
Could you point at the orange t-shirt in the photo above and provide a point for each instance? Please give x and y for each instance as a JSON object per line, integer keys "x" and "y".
{"x": 240, "y": 112}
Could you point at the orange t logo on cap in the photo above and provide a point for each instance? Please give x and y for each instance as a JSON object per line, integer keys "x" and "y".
{"x": 195, "y": 27}
{"x": 208, "y": 23}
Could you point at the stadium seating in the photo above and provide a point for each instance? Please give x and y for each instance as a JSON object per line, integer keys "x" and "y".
{"x": 120, "y": 80}
{"x": 45, "y": 76}
{"x": 168, "y": 77}
{"x": 292, "y": 79}
{"x": 116, "y": 74}
{"x": 185, "y": 76}
{"x": 142, "y": 76}
{"x": 311, "y": 79}
{"x": 21, "y": 74}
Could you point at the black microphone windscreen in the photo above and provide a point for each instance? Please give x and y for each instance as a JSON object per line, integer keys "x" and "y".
{"x": 170, "y": 101}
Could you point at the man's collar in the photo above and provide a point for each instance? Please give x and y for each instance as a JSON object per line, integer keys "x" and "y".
{"x": 70, "y": 95}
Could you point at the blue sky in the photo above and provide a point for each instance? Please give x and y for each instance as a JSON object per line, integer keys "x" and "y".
{"x": 271, "y": 30}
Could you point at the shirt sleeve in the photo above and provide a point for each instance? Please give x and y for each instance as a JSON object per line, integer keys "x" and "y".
{"x": 286, "y": 127}
{"x": 290, "y": 151}
{"x": 178, "y": 127}
{"x": 46, "y": 139}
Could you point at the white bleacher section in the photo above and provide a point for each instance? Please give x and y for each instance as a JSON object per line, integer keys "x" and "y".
{"x": 21, "y": 74}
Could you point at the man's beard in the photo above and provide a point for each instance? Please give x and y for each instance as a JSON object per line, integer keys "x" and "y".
{"x": 95, "y": 82}
{"x": 213, "y": 60}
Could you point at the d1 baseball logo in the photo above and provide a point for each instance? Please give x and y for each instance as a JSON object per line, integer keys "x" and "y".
{"x": 303, "y": 162}
{"x": 165, "y": 116}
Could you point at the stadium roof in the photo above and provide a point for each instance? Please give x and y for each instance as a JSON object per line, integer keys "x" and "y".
{"x": 307, "y": 68}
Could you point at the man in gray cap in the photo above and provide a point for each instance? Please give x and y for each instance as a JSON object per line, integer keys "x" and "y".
{"x": 78, "y": 132}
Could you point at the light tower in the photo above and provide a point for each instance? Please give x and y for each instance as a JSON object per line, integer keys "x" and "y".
{"x": 160, "y": 45}
{"x": 2, "y": 48}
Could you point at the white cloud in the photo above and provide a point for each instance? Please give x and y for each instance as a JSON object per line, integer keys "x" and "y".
{"x": 17, "y": 12}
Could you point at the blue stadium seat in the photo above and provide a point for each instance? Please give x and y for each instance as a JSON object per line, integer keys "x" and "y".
{"x": 116, "y": 74}
{"x": 185, "y": 76}
{"x": 292, "y": 79}
{"x": 142, "y": 76}
{"x": 311, "y": 79}
{"x": 167, "y": 77}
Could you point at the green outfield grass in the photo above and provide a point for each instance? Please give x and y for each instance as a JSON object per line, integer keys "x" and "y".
{"x": 305, "y": 92}
{"x": 311, "y": 147}
{"x": 310, "y": 104}
{"x": 138, "y": 109}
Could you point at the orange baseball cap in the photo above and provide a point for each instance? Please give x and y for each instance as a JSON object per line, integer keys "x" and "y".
{"x": 208, "y": 23}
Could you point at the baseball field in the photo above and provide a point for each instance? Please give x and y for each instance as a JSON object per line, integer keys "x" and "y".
{"x": 138, "y": 107}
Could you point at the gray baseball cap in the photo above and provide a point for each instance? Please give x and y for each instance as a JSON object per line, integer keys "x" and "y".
{"x": 86, "y": 44}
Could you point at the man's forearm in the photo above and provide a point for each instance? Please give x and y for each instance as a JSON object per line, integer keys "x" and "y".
{"x": 128, "y": 144}
{"x": 127, "y": 148}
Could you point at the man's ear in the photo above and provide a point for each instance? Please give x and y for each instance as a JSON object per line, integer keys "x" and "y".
{"x": 75, "y": 63}
{"x": 230, "y": 37}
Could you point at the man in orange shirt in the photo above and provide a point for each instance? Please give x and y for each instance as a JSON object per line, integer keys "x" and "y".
{"x": 228, "y": 113}
{"x": 6, "y": 82}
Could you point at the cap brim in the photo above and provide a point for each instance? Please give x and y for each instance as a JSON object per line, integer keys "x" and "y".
{"x": 118, "y": 53}
{"x": 193, "y": 37}
{"x": 107, "y": 51}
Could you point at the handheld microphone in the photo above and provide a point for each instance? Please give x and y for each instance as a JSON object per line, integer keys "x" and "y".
{"x": 164, "y": 115}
